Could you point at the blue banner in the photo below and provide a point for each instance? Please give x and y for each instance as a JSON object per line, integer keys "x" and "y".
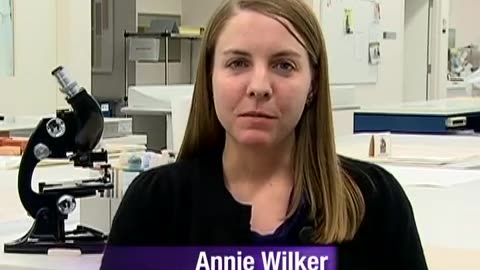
{"x": 220, "y": 258}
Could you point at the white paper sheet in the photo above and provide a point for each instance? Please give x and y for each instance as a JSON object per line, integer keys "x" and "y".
{"x": 424, "y": 160}
{"x": 432, "y": 177}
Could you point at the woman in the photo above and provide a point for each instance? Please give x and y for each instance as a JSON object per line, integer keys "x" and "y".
{"x": 258, "y": 164}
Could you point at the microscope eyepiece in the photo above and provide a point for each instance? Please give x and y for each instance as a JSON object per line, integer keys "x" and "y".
{"x": 68, "y": 86}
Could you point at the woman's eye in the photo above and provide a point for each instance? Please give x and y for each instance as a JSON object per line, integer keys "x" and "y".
{"x": 239, "y": 63}
{"x": 285, "y": 66}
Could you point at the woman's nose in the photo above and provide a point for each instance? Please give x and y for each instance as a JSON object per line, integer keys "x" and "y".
{"x": 260, "y": 86}
{"x": 260, "y": 93}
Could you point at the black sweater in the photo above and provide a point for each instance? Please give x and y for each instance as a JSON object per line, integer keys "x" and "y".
{"x": 187, "y": 203}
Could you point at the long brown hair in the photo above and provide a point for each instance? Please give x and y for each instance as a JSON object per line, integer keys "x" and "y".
{"x": 336, "y": 204}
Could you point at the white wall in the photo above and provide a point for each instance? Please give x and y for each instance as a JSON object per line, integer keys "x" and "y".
{"x": 74, "y": 42}
{"x": 416, "y": 50}
{"x": 160, "y": 6}
{"x": 33, "y": 90}
{"x": 198, "y": 12}
{"x": 464, "y": 18}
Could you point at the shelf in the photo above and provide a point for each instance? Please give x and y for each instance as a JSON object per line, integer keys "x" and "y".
{"x": 163, "y": 35}
{"x": 154, "y": 49}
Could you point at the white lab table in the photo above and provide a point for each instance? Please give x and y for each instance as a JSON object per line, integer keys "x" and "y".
{"x": 451, "y": 151}
{"x": 448, "y": 221}
{"x": 447, "y": 218}
{"x": 427, "y": 166}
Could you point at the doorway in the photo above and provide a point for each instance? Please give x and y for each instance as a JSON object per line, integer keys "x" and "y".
{"x": 417, "y": 52}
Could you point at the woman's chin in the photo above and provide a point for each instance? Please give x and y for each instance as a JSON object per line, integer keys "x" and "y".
{"x": 258, "y": 140}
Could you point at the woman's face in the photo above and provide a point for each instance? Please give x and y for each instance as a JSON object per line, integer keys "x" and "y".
{"x": 261, "y": 79}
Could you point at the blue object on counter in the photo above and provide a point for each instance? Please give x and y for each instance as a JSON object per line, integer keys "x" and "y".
{"x": 135, "y": 162}
{"x": 106, "y": 109}
{"x": 416, "y": 123}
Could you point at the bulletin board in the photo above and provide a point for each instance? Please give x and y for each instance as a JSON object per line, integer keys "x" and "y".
{"x": 352, "y": 31}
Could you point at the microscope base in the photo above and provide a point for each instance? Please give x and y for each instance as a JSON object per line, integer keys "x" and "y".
{"x": 48, "y": 232}
{"x": 85, "y": 240}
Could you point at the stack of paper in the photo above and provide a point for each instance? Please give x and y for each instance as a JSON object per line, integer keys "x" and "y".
{"x": 424, "y": 160}
{"x": 432, "y": 177}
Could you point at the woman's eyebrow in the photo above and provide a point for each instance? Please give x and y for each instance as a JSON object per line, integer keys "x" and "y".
{"x": 282, "y": 53}
{"x": 236, "y": 52}
{"x": 289, "y": 53}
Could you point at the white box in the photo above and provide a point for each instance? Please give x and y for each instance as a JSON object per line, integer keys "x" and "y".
{"x": 144, "y": 49}
{"x": 98, "y": 213}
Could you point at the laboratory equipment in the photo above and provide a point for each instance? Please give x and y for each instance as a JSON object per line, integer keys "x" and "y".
{"x": 72, "y": 134}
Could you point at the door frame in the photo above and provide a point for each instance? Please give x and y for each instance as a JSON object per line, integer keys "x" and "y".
{"x": 438, "y": 49}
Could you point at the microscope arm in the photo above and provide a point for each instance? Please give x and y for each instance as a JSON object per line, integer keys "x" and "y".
{"x": 86, "y": 109}
{"x": 90, "y": 121}
{"x": 32, "y": 201}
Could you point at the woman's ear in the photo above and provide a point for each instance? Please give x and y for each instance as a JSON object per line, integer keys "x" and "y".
{"x": 309, "y": 96}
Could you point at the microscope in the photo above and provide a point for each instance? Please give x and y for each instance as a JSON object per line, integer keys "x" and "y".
{"x": 72, "y": 134}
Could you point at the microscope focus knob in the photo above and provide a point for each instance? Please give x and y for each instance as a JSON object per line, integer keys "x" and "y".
{"x": 66, "y": 204}
{"x": 56, "y": 127}
{"x": 41, "y": 151}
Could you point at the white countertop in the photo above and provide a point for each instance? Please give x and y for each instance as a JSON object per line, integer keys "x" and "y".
{"x": 462, "y": 150}
{"x": 146, "y": 111}
{"x": 448, "y": 217}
